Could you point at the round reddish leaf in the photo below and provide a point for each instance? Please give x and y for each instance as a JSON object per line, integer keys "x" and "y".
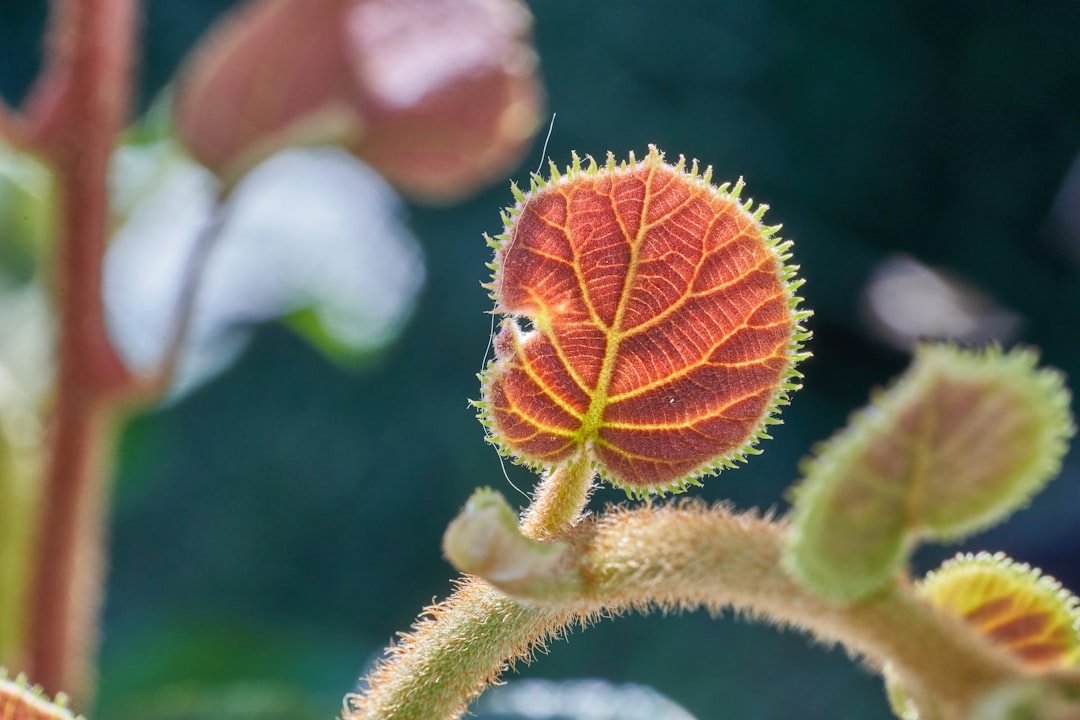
{"x": 650, "y": 321}
{"x": 271, "y": 74}
{"x": 21, "y": 701}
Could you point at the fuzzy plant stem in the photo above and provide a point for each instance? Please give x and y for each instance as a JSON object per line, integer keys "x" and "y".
{"x": 87, "y": 77}
{"x": 464, "y": 643}
{"x": 559, "y": 499}
{"x": 456, "y": 649}
{"x": 689, "y": 556}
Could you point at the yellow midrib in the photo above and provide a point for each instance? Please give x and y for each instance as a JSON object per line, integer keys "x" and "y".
{"x": 590, "y": 425}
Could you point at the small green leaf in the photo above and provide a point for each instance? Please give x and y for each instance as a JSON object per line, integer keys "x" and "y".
{"x": 963, "y": 439}
{"x": 309, "y": 325}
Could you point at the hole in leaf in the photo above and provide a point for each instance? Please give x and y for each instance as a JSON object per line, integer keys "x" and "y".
{"x": 525, "y": 325}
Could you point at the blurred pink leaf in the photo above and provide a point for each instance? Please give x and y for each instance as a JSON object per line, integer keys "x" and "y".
{"x": 263, "y": 79}
{"x": 439, "y": 96}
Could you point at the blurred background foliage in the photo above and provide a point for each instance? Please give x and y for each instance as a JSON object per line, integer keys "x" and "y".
{"x": 272, "y": 530}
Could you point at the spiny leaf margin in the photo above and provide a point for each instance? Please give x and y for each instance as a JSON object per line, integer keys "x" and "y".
{"x": 787, "y": 275}
{"x": 1043, "y": 394}
{"x": 19, "y": 696}
{"x": 969, "y": 577}
{"x": 957, "y": 587}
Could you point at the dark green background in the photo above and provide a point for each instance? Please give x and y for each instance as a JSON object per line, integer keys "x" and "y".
{"x": 277, "y": 527}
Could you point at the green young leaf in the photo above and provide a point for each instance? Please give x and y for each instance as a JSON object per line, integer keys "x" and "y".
{"x": 958, "y": 443}
{"x": 308, "y": 323}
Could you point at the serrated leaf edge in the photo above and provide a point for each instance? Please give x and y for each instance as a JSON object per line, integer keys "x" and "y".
{"x": 1049, "y": 399}
{"x": 35, "y": 697}
{"x": 1057, "y": 597}
{"x": 786, "y": 274}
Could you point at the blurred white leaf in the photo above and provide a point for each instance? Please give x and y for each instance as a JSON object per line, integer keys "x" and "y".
{"x": 905, "y": 301}
{"x": 310, "y": 229}
{"x": 577, "y": 700}
{"x": 27, "y": 326}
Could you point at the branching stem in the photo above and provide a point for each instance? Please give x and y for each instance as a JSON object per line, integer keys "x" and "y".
{"x": 676, "y": 556}
{"x": 463, "y": 644}
{"x": 690, "y": 556}
{"x": 89, "y": 68}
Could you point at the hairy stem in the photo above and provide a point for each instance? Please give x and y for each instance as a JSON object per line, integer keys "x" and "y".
{"x": 464, "y": 643}
{"x": 456, "y": 649}
{"x": 71, "y": 530}
{"x": 559, "y": 500}
{"x": 90, "y": 61}
{"x": 689, "y": 556}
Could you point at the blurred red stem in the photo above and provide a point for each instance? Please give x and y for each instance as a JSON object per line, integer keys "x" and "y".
{"x": 89, "y": 69}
